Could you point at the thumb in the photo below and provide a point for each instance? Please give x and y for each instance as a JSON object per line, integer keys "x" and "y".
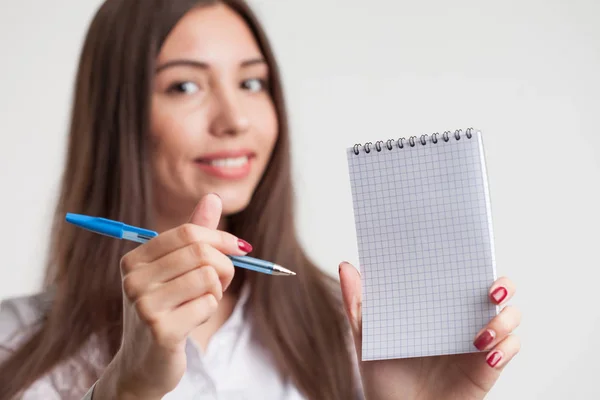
{"x": 208, "y": 211}
{"x": 352, "y": 295}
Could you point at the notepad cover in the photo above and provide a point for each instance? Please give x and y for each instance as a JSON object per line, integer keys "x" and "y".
{"x": 423, "y": 222}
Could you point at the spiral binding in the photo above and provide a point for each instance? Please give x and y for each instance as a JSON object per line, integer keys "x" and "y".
{"x": 412, "y": 141}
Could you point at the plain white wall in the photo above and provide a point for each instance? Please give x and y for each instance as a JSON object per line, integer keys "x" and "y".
{"x": 525, "y": 72}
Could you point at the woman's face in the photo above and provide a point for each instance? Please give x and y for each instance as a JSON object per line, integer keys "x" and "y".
{"x": 213, "y": 122}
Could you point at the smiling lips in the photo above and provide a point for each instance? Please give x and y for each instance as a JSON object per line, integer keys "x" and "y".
{"x": 227, "y": 164}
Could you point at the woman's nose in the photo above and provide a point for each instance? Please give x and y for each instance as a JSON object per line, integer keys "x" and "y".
{"x": 230, "y": 117}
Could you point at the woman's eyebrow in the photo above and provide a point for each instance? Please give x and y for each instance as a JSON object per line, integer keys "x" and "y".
{"x": 253, "y": 61}
{"x": 205, "y": 65}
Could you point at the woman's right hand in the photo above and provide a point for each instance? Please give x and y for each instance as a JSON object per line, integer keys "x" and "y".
{"x": 171, "y": 285}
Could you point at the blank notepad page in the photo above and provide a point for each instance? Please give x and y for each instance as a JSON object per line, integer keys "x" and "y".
{"x": 424, "y": 232}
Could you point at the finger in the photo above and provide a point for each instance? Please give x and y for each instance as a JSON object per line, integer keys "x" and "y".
{"x": 185, "y": 288}
{"x": 352, "y": 296}
{"x": 177, "y": 238}
{"x": 502, "y": 290}
{"x": 503, "y": 352}
{"x": 173, "y": 327}
{"x": 193, "y": 256}
{"x": 499, "y": 327}
{"x": 208, "y": 211}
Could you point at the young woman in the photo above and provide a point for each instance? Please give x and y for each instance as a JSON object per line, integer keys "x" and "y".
{"x": 179, "y": 125}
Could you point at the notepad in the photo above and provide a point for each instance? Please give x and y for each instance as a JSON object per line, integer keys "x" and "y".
{"x": 423, "y": 223}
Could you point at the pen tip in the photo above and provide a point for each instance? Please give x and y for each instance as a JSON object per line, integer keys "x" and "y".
{"x": 279, "y": 270}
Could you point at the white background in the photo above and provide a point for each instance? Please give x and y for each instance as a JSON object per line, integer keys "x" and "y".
{"x": 525, "y": 72}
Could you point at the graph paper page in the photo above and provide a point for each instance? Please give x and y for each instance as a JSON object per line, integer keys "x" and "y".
{"x": 425, "y": 242}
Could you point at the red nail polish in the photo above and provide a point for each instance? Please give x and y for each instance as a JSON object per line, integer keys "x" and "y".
{"x": 484, "y": 339}
{"x": 244, "y": 246}
{"x": 499, "y": 294}
{"x": 494, "y": 358}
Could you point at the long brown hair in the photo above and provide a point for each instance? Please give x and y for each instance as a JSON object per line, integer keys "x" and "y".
{"x": 300, "y": 321}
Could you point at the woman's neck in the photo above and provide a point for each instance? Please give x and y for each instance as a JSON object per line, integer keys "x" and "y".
{"x": 203, "y": 333}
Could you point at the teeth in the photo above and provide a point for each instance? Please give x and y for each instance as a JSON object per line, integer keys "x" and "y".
{"x": 230, "y": 162}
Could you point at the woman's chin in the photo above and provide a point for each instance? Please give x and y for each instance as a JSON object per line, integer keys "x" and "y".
{"x": 234, "y": 203}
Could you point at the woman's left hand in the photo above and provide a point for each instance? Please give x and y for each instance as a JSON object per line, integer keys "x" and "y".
{"x": 461, "y": 376}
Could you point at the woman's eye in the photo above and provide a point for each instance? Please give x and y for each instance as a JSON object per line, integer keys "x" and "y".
{"x": 254, "y": 85}
{"x": 184, "y": 87}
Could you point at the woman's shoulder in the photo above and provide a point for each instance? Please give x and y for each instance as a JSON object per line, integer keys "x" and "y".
{"x": 19, "y": 316}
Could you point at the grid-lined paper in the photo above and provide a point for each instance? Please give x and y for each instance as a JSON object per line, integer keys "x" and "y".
{"x": 425, "y": 241}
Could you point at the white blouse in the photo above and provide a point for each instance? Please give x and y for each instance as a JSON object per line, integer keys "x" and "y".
{"x": 233, "y": 367}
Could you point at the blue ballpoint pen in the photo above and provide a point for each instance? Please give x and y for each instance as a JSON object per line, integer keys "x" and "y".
{"x": 121, "y": 230}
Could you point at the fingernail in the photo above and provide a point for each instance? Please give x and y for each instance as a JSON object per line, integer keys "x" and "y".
{"x": 494, "y": 358}
{"x": 499, "y": 294}
{"x": 244, "y": 246}
{"x": 340, "y": 266}
{"x": 484, "y": 339}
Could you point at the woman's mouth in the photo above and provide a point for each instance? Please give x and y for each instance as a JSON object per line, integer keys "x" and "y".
{"x": 230, "y": 162}
{"x": 227, "y": 165}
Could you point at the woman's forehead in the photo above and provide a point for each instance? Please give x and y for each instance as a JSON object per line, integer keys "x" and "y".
{"x": 213, "y": 34}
